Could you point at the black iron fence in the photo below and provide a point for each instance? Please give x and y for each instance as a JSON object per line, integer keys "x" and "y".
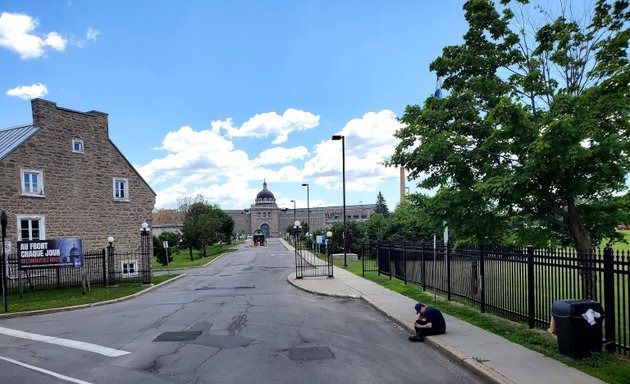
{"x": 105, "y": 266}
{"x": 308, "y": 264}
{"x": 517, "y": 283}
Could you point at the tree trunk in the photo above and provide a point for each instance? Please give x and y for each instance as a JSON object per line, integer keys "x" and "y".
{"x": 585, "y": 254}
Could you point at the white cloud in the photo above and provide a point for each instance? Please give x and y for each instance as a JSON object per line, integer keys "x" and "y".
{"x": 369, "y": 141}
{"x": 16, "y": 34}
{"x": 207, "y": 163}
{"x": 28, "y": 92}
{"x": 271, "y": 124}
{"x": 279, "y": 155}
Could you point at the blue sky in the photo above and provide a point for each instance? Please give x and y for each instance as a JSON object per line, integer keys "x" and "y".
{"x": 211, "y": 97}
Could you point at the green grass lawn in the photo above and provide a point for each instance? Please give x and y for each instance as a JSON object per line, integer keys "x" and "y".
{"x": 182, "y": 258}
{"x": 71, "y": 296}
{"x": 610, "y": 368}
{"x": 619, "y": 246}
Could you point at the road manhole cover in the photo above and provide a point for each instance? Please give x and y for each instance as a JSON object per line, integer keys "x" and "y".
{"x": 178, "y": 336}
{"x": 310, "y": 353}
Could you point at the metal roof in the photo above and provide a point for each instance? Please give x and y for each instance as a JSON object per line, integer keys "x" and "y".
{"x": 12, "y": 138}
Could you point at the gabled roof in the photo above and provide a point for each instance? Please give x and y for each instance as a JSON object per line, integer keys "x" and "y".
{"x": 12, "y": 138}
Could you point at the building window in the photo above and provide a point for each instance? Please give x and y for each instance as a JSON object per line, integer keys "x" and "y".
{"x": 31, "y": 228}
{"x": 129, "y": 268}
{"x": 32, "y": 182}
{"x": 121, "y": 189}
{"x": 77, "y": 146}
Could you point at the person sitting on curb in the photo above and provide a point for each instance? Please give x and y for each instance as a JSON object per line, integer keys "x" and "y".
{"x": 430, "y": 322}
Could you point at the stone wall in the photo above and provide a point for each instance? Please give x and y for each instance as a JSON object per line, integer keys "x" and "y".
{"x": 78, "y": 187}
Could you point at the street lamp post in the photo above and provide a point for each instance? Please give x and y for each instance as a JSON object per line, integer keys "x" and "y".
{"x": 146, "y": 252}
{"x": 299, "y": 262}
{"x": 328, "y": 260}
{"x": 343, "y": 176}
{"x": 308, "y": 208}
{"x": 110, "y": 261}
{"x": 293, "y": 201}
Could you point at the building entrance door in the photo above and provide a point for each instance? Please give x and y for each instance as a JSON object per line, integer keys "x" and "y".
{"x": 265, "y": 229}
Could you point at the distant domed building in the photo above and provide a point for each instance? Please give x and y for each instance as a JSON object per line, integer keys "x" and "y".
{"x": 273, "y": 221}
{"x": 266, "y": 216}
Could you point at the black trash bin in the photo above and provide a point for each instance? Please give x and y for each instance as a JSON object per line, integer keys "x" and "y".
{"x": 577, "y": 338}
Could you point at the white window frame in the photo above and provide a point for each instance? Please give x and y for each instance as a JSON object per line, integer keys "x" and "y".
{"x": 125, "y": 189}
{"x": 31, "y": 218}
{"x": 124, "y": 266}
{"x": 79, "y": 143}
{"x": 39, "y": 191}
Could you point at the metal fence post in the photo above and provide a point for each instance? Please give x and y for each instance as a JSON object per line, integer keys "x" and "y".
{"x": 389, "y": 259}
{"x": 531, "y": 314}
{"x": 448, "y": 271}
{"x": 482, "y": 281}
{"x": 609, "y": 298}
{"x": 404, "y": 268}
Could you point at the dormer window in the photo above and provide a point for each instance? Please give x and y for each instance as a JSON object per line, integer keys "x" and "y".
{"x": 77, "y": 146}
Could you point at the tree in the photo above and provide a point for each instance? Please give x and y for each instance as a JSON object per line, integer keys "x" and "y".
{"x": 203, "y": 224}
{"x": 535, "y": 124}
{"x": 411, "y": 221}
{"x": 381, "y": 205}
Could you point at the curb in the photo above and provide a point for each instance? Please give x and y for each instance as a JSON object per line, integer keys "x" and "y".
{"x": 291, "y": 281}
{"x": 90, "y": 305}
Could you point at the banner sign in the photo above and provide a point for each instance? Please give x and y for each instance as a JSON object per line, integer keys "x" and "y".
{"x": 50, "y": 253}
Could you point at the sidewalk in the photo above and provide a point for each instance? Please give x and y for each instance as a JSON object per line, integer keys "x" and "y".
{"x": 492, "y": 357}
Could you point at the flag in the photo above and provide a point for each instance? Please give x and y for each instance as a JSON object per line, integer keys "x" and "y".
{"x": 438, "y": 89}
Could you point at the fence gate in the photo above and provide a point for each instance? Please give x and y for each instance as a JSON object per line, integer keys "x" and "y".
{"x": 308, "y": 264}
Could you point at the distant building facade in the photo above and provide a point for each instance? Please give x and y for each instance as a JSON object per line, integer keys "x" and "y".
{"x": 266, "y": 216}
{"x": 62, "y": 177}
{"x": 273, "y": 221}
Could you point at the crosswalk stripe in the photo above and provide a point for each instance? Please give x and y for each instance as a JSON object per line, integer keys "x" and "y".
{"x": 105, "y": 351}
{"x": 45, "y": 371}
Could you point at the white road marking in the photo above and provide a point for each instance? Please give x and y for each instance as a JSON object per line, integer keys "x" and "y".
{"x": 105, "y": 351}
{"x": 45, "y": 371}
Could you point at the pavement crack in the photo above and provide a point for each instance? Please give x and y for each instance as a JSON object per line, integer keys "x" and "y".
{"x": 237, "y": 324}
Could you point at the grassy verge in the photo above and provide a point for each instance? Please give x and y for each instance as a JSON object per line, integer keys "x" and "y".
{"x": 182, "y": 259}
{"x": 71, "y": 296}
{"x": 610, "y": 368}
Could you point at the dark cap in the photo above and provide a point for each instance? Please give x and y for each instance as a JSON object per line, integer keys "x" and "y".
{"x": 418, "y": 306}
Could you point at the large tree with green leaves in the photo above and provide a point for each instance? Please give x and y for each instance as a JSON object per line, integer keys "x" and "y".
{"x": 535, "y": 123}
{"x": 204, "y": 224}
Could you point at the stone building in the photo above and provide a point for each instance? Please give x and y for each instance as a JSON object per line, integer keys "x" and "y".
{"x": 62, "y": 177}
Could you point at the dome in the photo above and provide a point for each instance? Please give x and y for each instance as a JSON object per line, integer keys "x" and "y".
{"x": 265, "y": 196}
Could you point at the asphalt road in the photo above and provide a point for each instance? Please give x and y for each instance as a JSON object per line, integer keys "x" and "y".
{"x": 235, "y": 321}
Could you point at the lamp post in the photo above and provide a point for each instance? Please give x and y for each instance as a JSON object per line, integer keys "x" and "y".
{"x": 297, "y": 227}
{"x": 110, "y": 262}
{"x": 146, "y": 253}
{"x": 3, "y": 224}
{"x": 293, "y": 201}
{"x": 308, "y": 208}
{"x": 343, "y": 175}
{"x": 328, "y": 260}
